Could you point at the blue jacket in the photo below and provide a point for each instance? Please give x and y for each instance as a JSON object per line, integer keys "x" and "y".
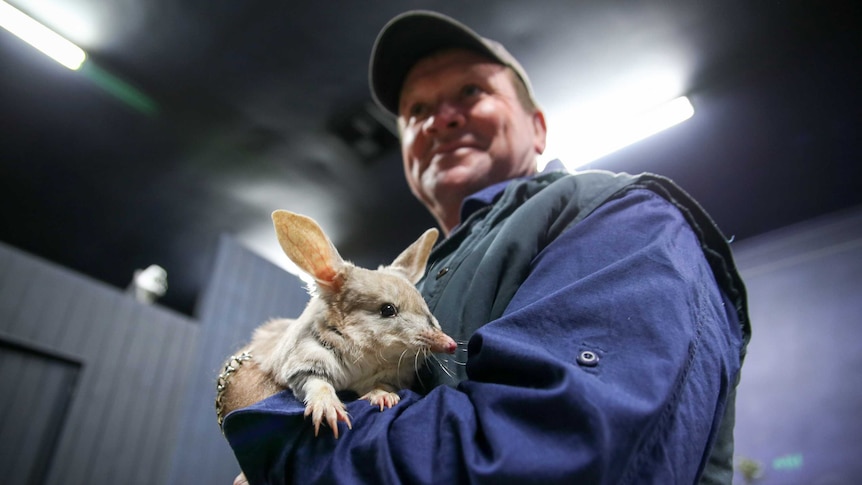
{"x": 606, "y": 327}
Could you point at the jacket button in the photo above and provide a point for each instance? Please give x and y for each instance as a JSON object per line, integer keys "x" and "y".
{"x": 588, "y": 358}
{"x": 442, "y": 272}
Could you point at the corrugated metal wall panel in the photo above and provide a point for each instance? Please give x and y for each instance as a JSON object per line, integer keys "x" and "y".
{"x": 32, "y": 417}
{"x": 179, "y": 354}
{"x": 134, "y": 368}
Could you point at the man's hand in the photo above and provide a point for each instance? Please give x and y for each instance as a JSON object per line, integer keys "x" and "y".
{"x": 240, "y": 480}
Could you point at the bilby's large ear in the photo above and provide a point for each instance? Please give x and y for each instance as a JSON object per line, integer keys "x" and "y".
{"x": 411, "y": 262}
{"x": 304, "y": 242}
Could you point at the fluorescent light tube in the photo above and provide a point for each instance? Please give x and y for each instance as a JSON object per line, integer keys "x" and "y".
{"x": 610, "y": 135}
{"x": 41, "y": 37}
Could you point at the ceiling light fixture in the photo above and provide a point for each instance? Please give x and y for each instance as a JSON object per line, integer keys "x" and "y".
{"x": 46, "y": 40}
{"x": 585, "y": 144}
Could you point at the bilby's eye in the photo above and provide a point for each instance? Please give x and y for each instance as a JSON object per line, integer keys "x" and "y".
{"x": 388, "y": 310}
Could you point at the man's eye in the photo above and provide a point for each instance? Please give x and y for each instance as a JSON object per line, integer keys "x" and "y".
{"x": 417, "y": 109}
{"x": 470, "y": 90}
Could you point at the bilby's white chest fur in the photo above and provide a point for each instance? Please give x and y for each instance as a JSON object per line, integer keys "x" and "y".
{"x": 363, "y": 330}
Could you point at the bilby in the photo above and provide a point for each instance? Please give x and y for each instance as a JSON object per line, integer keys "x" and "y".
{"x": 363, "y": 330}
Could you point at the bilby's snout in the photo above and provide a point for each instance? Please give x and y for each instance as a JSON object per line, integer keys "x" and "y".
{"x": 443, "y": 343}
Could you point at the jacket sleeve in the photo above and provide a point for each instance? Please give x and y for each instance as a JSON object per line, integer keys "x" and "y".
{"x": 611, "y": 364}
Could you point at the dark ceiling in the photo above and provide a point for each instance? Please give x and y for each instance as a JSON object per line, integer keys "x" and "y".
{"x": 193, "y": 119}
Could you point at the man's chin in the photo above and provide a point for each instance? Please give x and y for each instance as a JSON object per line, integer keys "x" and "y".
{"x": 461, "y": 186}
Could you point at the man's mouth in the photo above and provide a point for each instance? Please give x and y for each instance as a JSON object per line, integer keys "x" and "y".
{"x": 450, "y": 147}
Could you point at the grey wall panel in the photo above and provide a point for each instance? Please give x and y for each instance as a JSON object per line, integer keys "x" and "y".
{"x": 34, "y": 416}
{"x": 140, "y": 344}
{"x": 244, "y": 291}
{"x": 134, "y": 362}
{"x": 179, "y": 354}
{"x": 798, "y": 407}
{"x": 103, "y": 347}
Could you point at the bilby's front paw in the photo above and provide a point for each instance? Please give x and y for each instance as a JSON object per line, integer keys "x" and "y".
{"x": 324, "y": 406}
{"x": 379, "y": 397}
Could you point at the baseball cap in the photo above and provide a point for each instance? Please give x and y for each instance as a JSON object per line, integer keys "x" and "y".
{"x": 416, "y": 34}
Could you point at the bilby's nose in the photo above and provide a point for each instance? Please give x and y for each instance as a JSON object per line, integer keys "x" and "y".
{"x": 443, "y": 344}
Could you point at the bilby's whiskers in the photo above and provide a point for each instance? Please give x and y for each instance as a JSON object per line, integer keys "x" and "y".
{"x": 443, "y": 367}
{"x": 416, "y": 368}
{"x": 401, "y": 357}
{"x": 398, "y": 367}
{"x": 454, "y": 361}
{"x": 381, "y": 357}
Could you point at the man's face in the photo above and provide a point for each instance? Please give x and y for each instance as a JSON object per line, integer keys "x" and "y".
{"x": 463, "y": 127}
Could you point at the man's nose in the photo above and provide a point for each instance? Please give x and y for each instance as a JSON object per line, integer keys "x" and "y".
{"x": 446, "y": 116}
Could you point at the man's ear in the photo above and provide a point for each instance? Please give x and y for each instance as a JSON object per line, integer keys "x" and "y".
{"x": 540, "y": 131}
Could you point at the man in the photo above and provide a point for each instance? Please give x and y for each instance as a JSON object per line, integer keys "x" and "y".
{"x": 605, "y": 318}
